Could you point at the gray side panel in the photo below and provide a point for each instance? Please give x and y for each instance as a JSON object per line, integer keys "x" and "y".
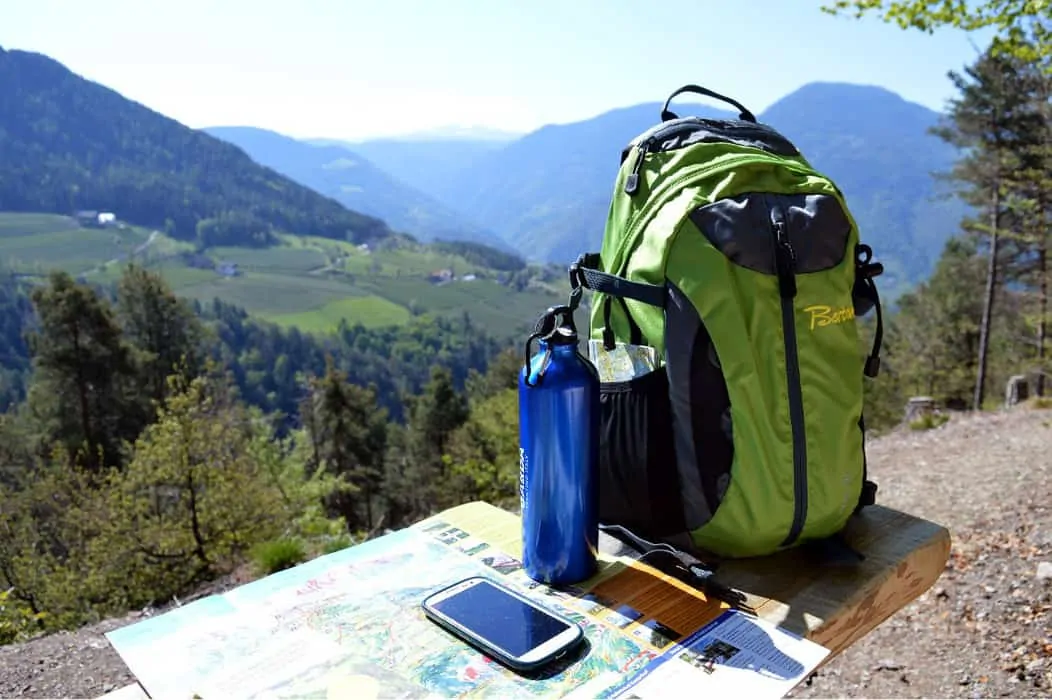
{"x": 740, "y": 228}
{"x": 682, "y": 325}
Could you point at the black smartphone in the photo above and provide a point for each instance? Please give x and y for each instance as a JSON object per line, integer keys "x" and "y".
{"x": 500, "y": 622}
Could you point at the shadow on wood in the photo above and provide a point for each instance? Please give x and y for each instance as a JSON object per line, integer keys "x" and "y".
{"x": 837, "y": 605}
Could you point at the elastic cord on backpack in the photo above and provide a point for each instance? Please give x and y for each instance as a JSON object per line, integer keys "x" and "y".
{"x": 873, "y": 361}
{"x": 866, "y": 289}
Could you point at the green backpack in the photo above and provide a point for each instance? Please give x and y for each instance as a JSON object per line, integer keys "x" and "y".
{"x": 740, "y": 265}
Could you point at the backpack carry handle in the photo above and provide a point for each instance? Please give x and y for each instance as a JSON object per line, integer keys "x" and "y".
{"x": 666, "y": 115}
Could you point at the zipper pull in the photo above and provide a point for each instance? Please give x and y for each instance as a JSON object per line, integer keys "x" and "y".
{"x": 784, "y": 256}
{"x": 632, "y": 181}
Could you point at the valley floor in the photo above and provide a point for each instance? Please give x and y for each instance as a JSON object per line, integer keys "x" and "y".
{"x": 983, "y": 630}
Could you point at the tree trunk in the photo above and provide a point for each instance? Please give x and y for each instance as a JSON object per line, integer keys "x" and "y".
{"x": 988, "y": 302}
{"x": 82, "y": 395}
{"x": 368, "y": 506}
{"x": 1042, "y": 308}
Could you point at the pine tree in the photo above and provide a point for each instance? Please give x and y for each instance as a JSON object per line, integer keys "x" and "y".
{"x": 420, "y": 480}
{"x": 162, "y": 326}
{"x": 84, "y": 392}
{"x": 1031, "y": 189}
{"x": 348, "y": 432}
{"x": 934, "y": 337}
{"x": 989, "y": 121}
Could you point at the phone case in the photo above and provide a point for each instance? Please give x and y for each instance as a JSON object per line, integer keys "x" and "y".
{"x": 480, "y": 645}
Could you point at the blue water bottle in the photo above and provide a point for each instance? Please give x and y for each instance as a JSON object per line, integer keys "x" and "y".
{"x": 558, "y": 454}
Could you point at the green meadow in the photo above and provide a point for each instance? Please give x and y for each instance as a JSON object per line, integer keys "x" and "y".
{"x": 306, "y": 282}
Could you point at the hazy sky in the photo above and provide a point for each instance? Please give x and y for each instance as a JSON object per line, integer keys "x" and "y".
{"x": 354, "y": 69}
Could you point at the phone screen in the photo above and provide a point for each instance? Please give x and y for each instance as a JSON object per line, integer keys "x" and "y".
{"x": 500, "y": 619}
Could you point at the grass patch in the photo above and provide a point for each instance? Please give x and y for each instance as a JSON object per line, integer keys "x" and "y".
{"x": 498, "y": 308}
{"x": 72, "y": 250}
{"x": 31, "y": 224}
{"x": 278, "y": 555}
{"x": 271, "y": 294}
{"x": 287, "y": 283}
{"x": 1040, "y": 403}
{"x": 929, "y": 421}
{"x": 370, "y": 311}
{"x": 335, "y": 544}
{"x": 279, "y": 259}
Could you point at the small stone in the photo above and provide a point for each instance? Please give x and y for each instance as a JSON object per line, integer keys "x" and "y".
{"x": 1044, "y": 571}
{"x": 887, "y": 665}
{"x": 965, "y": 680}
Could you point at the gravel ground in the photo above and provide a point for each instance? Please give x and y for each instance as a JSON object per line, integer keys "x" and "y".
{"x": 983, "y": 630}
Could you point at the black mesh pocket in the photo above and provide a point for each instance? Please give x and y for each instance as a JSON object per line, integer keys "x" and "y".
{"x": 638, "y": 480}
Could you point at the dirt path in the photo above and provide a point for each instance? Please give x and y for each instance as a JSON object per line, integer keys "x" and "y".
{"x": 983, "y": 630}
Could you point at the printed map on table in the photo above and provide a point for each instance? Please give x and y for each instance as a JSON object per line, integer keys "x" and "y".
{"x": 349, "y": 624}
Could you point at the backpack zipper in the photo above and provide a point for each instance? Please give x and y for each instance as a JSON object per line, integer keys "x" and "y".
{"x": 632, "y": 181}
{"x": 662, "y": 190}
{"x": 785, "y": 266}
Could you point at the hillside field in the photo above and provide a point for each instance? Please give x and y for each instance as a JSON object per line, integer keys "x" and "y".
{"x": 307, "y": 282}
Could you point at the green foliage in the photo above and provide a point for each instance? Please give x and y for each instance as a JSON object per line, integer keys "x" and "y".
{"x": 73, "y": 144}
{"x": 163, "y": 328}
{"x": 1023, "y": 27}
{"x": 278, "y": 555}
{"x": 929, "y": 421}
{"x": 194, "y": 497}
{"x": 416, "y": 479}
{"x": 1001, "y": 121}
{"x": 17, "y": 620}
{"x": 934, "y": 340}
{"x": 336, "y": 543}
{"x": 348, "y": 439}
{"x": 16, "y": 311}
{"x": 205, "y": 485}
{"x": 84, "y": 386}
{"x": 483, "y": 455}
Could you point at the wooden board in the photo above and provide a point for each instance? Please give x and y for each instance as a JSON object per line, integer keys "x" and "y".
{"x": 836, "y": 606}
{"x": 832, "y": 605}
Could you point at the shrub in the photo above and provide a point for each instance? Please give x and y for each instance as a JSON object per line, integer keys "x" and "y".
{"x": 17, "y": 620}
{"x": 277, "y": 555}
{"x": 929, "y": 421}
{"x": 334, "y": 543}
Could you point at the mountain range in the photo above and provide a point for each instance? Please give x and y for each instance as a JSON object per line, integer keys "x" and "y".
{"x": 67, "y": 143}
{"x": 70, "y": 143}
{"x": 346, "y": 176}
{"x": 546, "y": 194}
